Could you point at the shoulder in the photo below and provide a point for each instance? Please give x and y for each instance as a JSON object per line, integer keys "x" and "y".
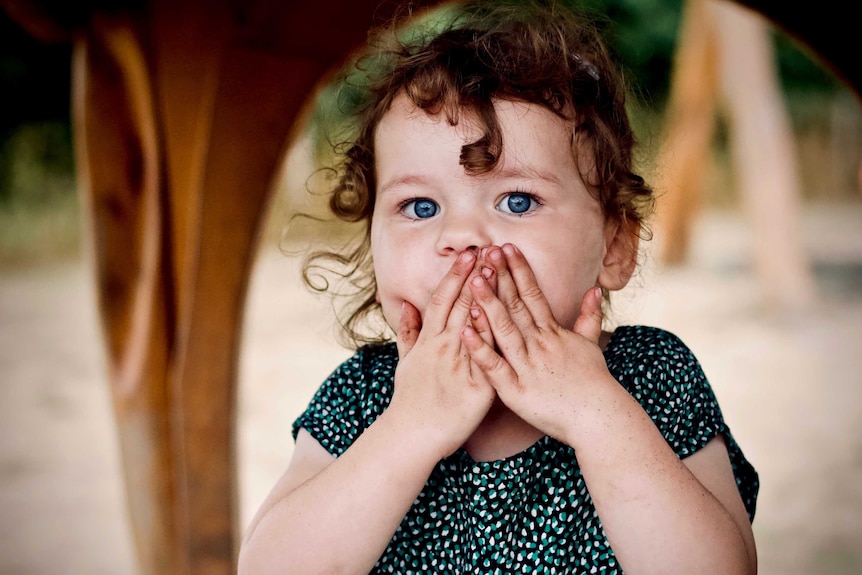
{"x": 367, "y": 358}
{"x": 643, "y": 356}
{"x": 665, "y": 377}
{"x": 644, "y": 342}
{"x": 351, "y": 398}
{"x": 368, "y": 370}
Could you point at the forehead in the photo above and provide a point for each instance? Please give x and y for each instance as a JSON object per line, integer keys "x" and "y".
{"x": 531, "y": 134}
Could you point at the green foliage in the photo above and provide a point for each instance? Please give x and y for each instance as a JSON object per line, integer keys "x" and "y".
{"x": 39, "y": 215}
{"x": 34, "y": 78}
{"x": 642, "y": 36}
{"x": 38, "y": 205}
{"x": 799, "y": 69}
{"x": 36, "y": 165}
{"x": 341, "y": 99}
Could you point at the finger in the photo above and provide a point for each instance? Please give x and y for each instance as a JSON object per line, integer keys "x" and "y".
{"x": 486, "y": 268}
{"x": 497, "y": 370}
{"x": 408, "y": 329}
{"x": 507, "y": 335}
{"x": 459, "y": 315}
{"x": 477, "y": 319}
{"x": 589, "y": 322}
{"x": 507, "y": 292}
{"x": 479, "y": 322}
{"x": 463, "y": 306}
{"x": 448, "y": 291}
{"x": 506, "y": 289}
{"x": 527, "y": 286}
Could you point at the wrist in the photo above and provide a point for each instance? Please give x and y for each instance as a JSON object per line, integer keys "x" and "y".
{"x": 425, "y": 444}
{"x": 597, "y": 414}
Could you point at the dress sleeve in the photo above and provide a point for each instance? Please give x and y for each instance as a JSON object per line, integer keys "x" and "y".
{"x": 330, "y": 416}
{"x": 350, "y": 399}
{"x": 665, "y": 377}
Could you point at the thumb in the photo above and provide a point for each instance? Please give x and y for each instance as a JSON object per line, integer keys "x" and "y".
{"x": 408, "y": 329}
{"x": 589, "y": 322}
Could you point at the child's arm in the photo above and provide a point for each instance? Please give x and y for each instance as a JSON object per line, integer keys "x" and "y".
{"x": 329, "y": 515}
{"x": 337, "y": 516}
{"x": 660, "y": 514}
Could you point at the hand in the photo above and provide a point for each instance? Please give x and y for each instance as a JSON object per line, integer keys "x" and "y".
{"x": 437, "y": 387}
{"x": 478, "y": 320}
{"x": 543, "y": 372}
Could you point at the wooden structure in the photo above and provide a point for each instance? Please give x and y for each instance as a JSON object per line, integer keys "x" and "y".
{"x": 182, "y": 112}
{"x": 725, "y": 67}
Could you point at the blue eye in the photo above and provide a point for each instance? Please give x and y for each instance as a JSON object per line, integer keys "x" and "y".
{"x": 518, "y": 203}
{"x": 420, "y": 209}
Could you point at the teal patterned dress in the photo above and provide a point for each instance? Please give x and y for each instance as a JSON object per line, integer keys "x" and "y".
{"x": 531, "y": 512}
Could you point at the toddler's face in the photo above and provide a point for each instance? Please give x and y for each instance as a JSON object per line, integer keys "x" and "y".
{"x": 428, "y": 210}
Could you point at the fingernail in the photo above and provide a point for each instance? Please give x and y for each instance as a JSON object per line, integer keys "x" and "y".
{"x": 496, "y": 256}
{"x": 465, "y": 257}
{"x": 509, "y": 249}
{"x": 478, "y": 281}
{"x": 597, "y": 293}
{"x": 487, "y": 272}
{"x": 474, "y": 313}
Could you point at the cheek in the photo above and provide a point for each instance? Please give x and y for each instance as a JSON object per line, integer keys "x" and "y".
{"x": 565, "y": 299}
{"x": 384, "y": 267}
{"x": 399, "y": 278}
{"x": 567, "y": 307}
{"x": 564, "y": 281}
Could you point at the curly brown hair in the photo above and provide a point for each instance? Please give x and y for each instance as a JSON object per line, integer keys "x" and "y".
{"x": 536, "y": 53}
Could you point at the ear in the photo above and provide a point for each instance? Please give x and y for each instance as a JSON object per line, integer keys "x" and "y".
{"x": 621, "y": 251}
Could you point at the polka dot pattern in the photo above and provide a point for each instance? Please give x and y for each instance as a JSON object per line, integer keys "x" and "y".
{"x": 529, "y": 513}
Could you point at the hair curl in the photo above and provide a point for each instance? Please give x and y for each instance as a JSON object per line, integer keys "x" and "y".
{"x": 537, "y": 53}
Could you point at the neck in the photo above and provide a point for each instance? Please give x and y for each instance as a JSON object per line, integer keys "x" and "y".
{"x": 501, "y": 434}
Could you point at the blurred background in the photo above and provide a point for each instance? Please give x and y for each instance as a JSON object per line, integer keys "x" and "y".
{"x": 787, "y": 375}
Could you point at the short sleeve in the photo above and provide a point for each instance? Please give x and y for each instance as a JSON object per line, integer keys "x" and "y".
{"x": 664, "y": 376}
{"x": 350, "y": 399}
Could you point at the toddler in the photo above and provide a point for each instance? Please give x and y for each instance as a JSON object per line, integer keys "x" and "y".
{"x": 503, "y": 431}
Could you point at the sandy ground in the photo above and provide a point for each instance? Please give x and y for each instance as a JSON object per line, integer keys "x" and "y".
{"x": 789, "y": 385}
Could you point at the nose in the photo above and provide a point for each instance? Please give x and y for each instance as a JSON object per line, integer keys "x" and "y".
{"x": 461, "y": 232}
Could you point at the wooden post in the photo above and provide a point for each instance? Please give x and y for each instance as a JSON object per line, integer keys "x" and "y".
{"x": 686, "y": 141}
{"x": 118, "y": 157}
{"x": 182, "y": 114}
{"x": 725, "y": 64}
{"x": 763, "y": 154}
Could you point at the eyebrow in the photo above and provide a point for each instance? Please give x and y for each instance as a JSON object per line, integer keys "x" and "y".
{"x": 405, "y": 180}
{"x": 528, "y": 173}
{"x": 509, "y": 173}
